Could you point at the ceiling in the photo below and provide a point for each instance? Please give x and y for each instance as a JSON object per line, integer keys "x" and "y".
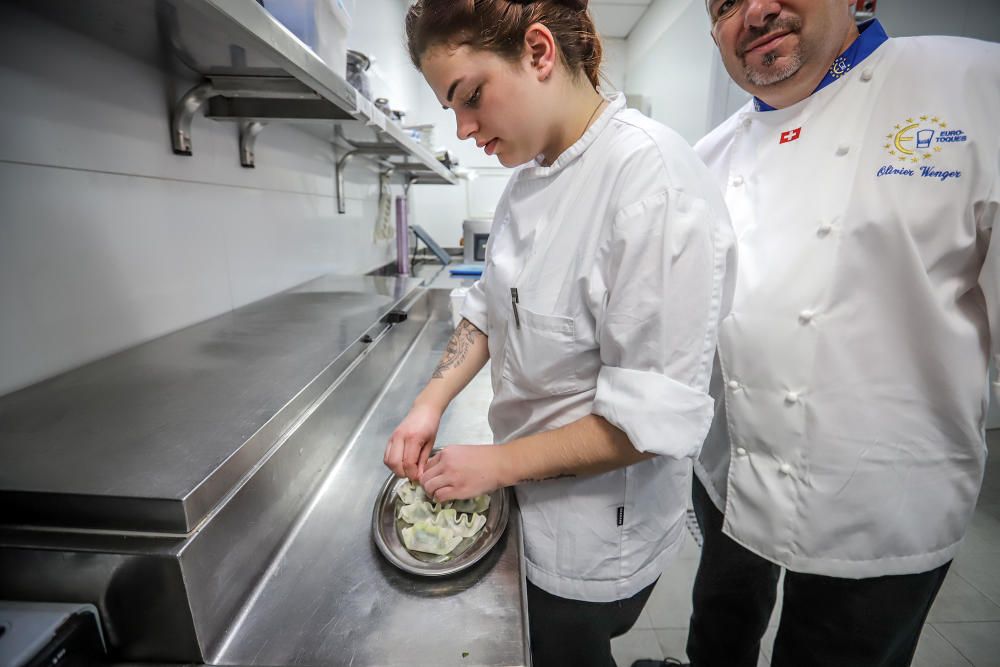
{"x": 616, "y": 18}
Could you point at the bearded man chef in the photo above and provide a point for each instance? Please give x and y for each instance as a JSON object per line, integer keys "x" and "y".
{"x": 848, "y": 447}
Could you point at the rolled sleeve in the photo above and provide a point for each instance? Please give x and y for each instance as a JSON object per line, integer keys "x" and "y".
{"x": 658, "y": 414}
{"x": 664, "y": 275}
{"x": 474, "y": 307}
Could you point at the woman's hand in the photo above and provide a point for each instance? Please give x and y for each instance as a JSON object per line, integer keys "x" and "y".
{"x": 464, "y": 471}
{"x": 412, "y": 441}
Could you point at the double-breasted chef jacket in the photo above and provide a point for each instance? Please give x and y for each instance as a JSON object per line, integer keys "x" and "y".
{"x": 604, "y": 283}
{"x": 852, "y": 391}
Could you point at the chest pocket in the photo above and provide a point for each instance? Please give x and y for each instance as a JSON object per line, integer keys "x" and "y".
{"x": 543, "y": 358}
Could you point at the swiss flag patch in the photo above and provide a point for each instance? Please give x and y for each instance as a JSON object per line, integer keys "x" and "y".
{"x": 791, "y": 135}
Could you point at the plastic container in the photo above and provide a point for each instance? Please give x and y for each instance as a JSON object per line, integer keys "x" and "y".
{"x": 357, "y": 72}
{"x": 333, "y": 25}
{"x": 299, "y": 16}
{"x": 322, "y": 25}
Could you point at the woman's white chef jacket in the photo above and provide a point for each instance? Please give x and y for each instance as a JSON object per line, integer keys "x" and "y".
{"x": 617, "y": 253}
{"x": 850, "y": 441}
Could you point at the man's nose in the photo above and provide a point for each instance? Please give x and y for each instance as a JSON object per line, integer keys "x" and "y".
{"x": 759, "y": 12}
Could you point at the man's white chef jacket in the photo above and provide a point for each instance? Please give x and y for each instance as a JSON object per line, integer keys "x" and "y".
{"x": 849, "y": 437}
{"x": 617, "y": 253}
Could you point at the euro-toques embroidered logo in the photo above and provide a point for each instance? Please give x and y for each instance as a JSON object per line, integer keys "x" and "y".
{"x": 915, "y": 143}
{"x": 920, "y": 139}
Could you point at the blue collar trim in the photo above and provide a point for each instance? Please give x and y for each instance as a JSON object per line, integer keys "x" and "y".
{"x": 872, "y": 36}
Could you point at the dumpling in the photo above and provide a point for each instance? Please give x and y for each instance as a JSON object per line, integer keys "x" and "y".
{"x": 411, "y": 493}
{"x": 418, "y": 511}
{"x": 437, "y": 528}
{"x": 477, "y": 504}
{"x": 463, "y": 525}
{"x": 429, "y": 538}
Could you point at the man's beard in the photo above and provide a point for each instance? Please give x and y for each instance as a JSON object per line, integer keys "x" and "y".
{"x": 769, "y": 73}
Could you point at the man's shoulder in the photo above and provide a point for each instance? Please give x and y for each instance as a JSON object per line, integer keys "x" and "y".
{"x": 716, "y": 139}
{"x": 927, "y": 54}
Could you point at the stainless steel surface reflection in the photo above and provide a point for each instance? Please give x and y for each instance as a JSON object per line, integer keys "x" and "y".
{"x": 330, "y": 598}
{"x": 385, "y": 532}
{"x": 152, "y": 438}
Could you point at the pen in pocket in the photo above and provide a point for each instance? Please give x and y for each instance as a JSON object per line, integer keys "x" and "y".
{"x": 514, "y": 301}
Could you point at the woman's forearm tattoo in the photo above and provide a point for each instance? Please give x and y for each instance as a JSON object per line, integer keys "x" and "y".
{"x": 458, "y": 348}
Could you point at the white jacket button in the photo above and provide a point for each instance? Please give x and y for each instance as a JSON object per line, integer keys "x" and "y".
{"x": 843, "y": 150}
{"x": 791, "y": 398}
{"x": 824, "y": 229}
{"x": 867, "y": 75}
{"x": 740, "y": 451}
{"x": 738, "y": 181}
{"x": 806, "y": 316}
{"x": 734, "y": 385}
{"x": 786, "y": 469}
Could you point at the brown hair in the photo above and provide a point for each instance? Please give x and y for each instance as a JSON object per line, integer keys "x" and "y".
{"x": 499, "y": 26}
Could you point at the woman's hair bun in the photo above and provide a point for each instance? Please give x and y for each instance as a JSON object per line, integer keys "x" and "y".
{"x": 499, "y": 26}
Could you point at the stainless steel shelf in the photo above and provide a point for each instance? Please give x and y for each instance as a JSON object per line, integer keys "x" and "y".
{"x": 152, "y": 438}
{"x": 255, "y": 71}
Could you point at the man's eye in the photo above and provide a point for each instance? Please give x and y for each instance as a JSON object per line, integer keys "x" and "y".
{"x": 473, "y": 101}
{"x": 724, "y": 8}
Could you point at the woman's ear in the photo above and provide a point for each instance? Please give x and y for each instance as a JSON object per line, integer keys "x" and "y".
{"x": 540, "y": 50}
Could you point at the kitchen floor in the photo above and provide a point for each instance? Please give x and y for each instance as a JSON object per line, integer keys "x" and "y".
{"x": 963, "y": 629}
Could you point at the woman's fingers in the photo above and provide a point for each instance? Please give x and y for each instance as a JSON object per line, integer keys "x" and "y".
{"x": 393, "y": 458}
{"x": 433, "y": 477}
{"x": 411, "y": 455}
{"x": 445, "y": 493}
{"x": 422, "y": 461}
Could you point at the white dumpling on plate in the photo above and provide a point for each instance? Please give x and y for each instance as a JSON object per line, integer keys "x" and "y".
{"x": 472, "y": 505}
{"x": 411, "y": 493}
{"x": 419, "y": 511}
{"x": 429, "y": 538}
{"x": 463, "y": 525}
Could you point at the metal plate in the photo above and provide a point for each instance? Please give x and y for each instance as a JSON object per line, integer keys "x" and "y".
{"x": 386, "y": 527}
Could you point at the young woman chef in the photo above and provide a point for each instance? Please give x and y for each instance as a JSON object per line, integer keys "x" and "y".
{"x": 609, "y": 266}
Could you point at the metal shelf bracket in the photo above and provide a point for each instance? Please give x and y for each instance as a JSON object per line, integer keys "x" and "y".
{"x": 182, "y": 115}
{"x": 235, "y": 90}
{"x": 249, "y": 129}
{"x": 359, "y": 148}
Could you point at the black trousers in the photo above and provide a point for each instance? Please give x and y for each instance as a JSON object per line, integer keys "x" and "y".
{"x": 572, "y": 633}
{"x": 825, "y": 621}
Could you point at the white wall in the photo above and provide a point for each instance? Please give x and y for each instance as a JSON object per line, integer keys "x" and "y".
{"x": 615, "y": 63}
{"x": 669, "y": 59}
{"x": 107, "y": 239}
{"x": 966, "y": 18}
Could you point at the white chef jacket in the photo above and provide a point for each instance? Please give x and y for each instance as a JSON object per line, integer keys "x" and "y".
{"x": 852, "y": 392}
{"x": 618, "y": 253}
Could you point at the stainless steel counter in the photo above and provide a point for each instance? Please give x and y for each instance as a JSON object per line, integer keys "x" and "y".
{"x": 330, "y": 598}
{"x": 192, "y": 412}
{"x": 282, "y": 570}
